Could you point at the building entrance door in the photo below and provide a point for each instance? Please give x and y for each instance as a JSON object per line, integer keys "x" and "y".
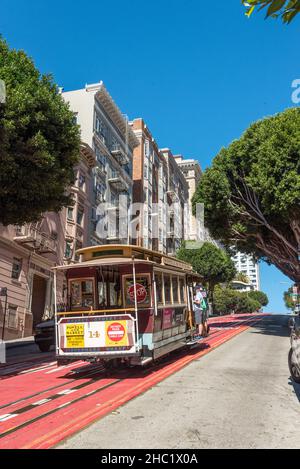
{"x": 39, "y": 288}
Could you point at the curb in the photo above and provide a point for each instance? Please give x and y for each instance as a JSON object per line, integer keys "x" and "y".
{"x": 10, "y": 345}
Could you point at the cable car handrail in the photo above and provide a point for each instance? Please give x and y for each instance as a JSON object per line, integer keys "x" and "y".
{"x": 91, "y": 313}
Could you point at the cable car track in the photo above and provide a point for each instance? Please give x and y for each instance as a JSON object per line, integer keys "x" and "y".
{"x": 158, "y": 371}
{"x": 99, "y": 368}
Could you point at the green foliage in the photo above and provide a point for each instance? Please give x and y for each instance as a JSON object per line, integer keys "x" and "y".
{"x": 259, "y": 296}
{"x": 212, "y": 263}
{"x": 39, "y": 142}
{"x": 288, "y": 299}
{"x": 246, "y": 304}
{"x": 227, "y": 300}
{"x": 286, "y": 9}
{"x": 241, "y": 277}
{"x": 251, "y": 192}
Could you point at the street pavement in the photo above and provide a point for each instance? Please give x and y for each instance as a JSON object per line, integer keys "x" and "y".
{"x": 41, "y": 404}
{"x": 237, "y": 396}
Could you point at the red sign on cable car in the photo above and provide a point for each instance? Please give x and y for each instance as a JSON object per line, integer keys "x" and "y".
{"x": 141, "y": 293}
{"x": 116, "y": 332}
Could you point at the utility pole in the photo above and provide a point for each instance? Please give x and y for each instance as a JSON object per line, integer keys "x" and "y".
{"x": 3, "y": 292}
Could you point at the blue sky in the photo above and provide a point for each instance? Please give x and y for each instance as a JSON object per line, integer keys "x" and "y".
{"x": 198, "y": 72}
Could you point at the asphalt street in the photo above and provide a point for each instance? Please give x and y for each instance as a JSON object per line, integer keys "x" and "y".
{"x": 238, "y": 396}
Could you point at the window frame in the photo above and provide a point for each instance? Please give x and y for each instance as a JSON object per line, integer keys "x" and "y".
{"x": 81, "y": 279}
{"x": 137, "y": 276}
{"x": 20, "y": 260}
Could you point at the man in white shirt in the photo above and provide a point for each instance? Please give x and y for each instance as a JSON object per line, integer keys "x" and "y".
{"x": 198, "y": 310}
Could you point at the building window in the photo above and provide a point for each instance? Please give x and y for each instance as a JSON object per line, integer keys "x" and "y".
{"x": 12, "y": 313}
{"x": 80, "y": 214}
{"x": 68, "y": 250}
{"x": 16, "y": 269}
{"x": 81, "y": 181}
{"x": 70, "y": 213}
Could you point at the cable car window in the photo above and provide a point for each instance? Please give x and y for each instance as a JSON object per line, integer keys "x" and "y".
{"x": 114, "y": 294}
{"x": 159, "y": 288}
{"x": 182, "y": 290}
{"x": 102, "y": 294}
{"x": 143, "y": 292}
{"x": 167, "y": 284}
{"x": 175, "y": 289}
{"x": 82, "y": 293}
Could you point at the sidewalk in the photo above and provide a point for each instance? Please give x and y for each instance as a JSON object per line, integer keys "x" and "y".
{"x": 19, "y": 342}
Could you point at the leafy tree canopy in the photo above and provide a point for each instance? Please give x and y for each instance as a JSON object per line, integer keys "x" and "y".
{"x": 227, "y": 300}
{"x": 285, "y": 9}
{"x": 241, "y": 277}
{"x": 288, "y": 299}
{"x": 39, "y": 141}
{"x": 212, "y": 263}
{"x": 251, "y": 192}
{"x": 259, "y": 296}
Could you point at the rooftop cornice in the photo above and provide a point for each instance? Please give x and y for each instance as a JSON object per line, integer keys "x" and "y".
{"x": 112, "y": 110}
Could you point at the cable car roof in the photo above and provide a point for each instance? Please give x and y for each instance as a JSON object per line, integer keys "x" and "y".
{"x": 102, "y": 262}
{"x": 110, "y": 251}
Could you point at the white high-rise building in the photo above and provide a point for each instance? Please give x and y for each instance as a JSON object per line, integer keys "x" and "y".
{"x": 247, "y": 265}
{"x": 106, "y": 130}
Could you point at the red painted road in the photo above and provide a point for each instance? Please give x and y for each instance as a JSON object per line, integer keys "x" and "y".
{"x": 41, "y": 404}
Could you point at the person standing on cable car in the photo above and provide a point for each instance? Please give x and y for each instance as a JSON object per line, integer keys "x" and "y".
{"x": 198, "y": 311}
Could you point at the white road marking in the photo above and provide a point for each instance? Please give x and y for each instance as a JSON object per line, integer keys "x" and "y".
{"x": 5, "y": 417}
{"x": 42, "y": 401}
{"x": 66, "y": 391}
{"x": 40, "y": 368}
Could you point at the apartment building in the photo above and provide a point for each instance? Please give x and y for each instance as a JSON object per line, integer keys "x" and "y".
{"x": 247, "y": 265}
{"x": 177, "y": 203}
{"x": 28, "y": 253}
{"x": 149, "y": 191}
{"x": 106, "y": 130}
{"x": 192, "y": 172}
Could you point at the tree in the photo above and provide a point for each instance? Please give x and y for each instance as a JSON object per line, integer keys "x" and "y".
{"x": 212, "y": 263}
{"x": 39, "y": 142}
{"x": 241, "y": 277}
{"x": 259, "y": 296}
{"x": 288, "y": 299}
{"x": 286, "y": 9}
{"x": 251, "y": 192}
{"x": 246, "y": 304}
{"x": 226, "y": 300}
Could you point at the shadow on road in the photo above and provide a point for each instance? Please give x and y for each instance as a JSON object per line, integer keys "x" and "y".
{"x": 272, "y": 325}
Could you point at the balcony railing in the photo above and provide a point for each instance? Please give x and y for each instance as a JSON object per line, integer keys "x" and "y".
{"x": 117, "y": 182}
{"x": 34, "y": 238}
{"x": 118, "y": 152}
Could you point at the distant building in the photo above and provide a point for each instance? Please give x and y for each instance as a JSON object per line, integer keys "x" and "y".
{"x": 149, "y": 190}
{"x": 241, "y": 286}
{"x": 177, "y": 203}
{"x": 192, "y": 173}
{"x": 247, "y": 265}
{"x": 105, "y": 129}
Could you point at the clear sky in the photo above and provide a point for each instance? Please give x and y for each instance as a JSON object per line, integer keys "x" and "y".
{"x": 198, "y": 72}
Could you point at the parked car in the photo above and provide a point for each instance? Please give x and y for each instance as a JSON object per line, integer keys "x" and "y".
{"x": 44, "y": 335}
{"x": 294, "y": 353}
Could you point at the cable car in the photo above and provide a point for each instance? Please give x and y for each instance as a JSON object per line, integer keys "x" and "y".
{"x": 123, "y": 303}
